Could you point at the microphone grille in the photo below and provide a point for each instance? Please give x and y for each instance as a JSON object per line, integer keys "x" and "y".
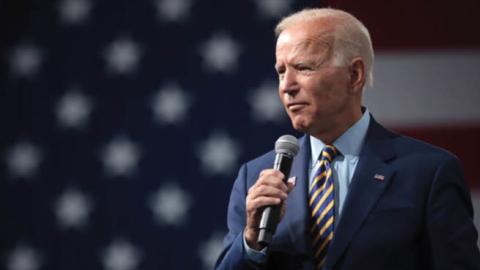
{"x": 287, "y": 144}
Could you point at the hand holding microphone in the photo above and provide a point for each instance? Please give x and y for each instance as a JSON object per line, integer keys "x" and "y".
{"x": 265, "y": 198}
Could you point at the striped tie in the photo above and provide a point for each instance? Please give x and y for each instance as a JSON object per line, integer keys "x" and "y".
{"x": 322, "y": 207}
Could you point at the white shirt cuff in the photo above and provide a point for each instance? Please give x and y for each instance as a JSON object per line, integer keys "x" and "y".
{"x": 257, "y": 256}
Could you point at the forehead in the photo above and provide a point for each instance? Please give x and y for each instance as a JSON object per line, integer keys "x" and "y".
{"x": 305, "y": 37}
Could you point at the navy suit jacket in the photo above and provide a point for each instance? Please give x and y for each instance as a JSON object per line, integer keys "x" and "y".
{"x": 418, "y": 217}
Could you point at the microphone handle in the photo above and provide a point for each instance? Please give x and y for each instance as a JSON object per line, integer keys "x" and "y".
{"x": 271, "y": 213}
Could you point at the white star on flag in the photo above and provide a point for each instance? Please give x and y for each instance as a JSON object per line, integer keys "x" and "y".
{"x": 173, "y": 10}
{"x": 121, "y": 255}
{"x": 72, "y": 209}
{"x": 23, "y": 257}
{"x": 73, "y": 109}
{"x": 25, "y": 60}
{"x": 210, "y": 250}
{"x": 23, "y": 160}
{"x": 170, "y": 104}
{"x": 266, "y": 104}
{"x": 220, "y": 53}
{"x": 74, "y": 11}
{"x": 273, "y": 8}
{"x": 218, "y": 154}
{"x": 122, "y": 56}
{"x": 120, "y": 157}
{"x": 170, "y": 204}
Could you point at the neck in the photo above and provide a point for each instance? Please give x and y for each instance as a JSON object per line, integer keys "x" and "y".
{"x": 330, "y": 134}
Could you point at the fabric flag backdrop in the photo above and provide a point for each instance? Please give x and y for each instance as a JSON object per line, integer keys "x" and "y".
{"x": 124, "y": 122}
{"x": 426, "y": 74}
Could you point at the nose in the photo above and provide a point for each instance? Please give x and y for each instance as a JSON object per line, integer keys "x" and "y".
{"x": 288, "y": 83}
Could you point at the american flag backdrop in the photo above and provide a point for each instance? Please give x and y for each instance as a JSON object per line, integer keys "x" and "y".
{"x": 123, "y": 124}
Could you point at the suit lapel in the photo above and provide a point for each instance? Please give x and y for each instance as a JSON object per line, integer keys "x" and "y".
{"x": 296, "y": 214}
{"x": 369, "y": 181}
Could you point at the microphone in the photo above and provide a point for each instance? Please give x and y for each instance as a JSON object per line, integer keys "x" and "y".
{"x": 286, "y": 148}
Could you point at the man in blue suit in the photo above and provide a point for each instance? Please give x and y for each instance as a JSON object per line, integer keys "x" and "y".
{"x": 359, "y": 196}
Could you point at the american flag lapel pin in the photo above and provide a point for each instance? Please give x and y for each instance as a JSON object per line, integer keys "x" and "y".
{"x": 292, "y": 180}
{"x": 379, "y": 177}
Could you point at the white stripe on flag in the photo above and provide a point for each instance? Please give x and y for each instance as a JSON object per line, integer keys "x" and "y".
{"x": 425, "y": 88}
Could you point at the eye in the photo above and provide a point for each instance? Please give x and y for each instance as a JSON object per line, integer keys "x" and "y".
{"x": 303, "y": 67}
{"x": 280, "y": 71}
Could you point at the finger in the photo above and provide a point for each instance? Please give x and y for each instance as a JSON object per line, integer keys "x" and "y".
{"x": 271, "y": 172}
{"x": 272, "y": 180}
{"x": 260, "y": 202}
{"x": 267, "y": 191}
{"x": 250, "y": 189}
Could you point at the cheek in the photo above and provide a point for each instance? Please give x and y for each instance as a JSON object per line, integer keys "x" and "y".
{"x": 283, "y": 99}
{"x": 326, "y": 90}
{"x": 319, "y": 93}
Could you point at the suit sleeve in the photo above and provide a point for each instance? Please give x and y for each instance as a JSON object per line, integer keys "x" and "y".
{"x": 233, "y": 253}
{"x": 451, "y": 234}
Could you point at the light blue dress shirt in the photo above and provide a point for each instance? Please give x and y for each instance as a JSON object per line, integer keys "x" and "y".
{"x": 349, "y": 144}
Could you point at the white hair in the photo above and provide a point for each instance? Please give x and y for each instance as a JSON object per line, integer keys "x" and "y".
{"x": 351, "y": 38}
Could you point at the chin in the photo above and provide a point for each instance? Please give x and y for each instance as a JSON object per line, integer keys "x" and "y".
{"x": 300, "y": 126}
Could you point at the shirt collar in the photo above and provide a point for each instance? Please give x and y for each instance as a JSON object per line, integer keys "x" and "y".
{"x": 349, "y": 143}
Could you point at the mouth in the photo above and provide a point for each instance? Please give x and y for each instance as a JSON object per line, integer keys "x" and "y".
{"x": 297, "y": 106}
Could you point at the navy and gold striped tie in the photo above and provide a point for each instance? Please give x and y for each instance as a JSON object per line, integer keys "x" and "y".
{"x": 322, "y": 206}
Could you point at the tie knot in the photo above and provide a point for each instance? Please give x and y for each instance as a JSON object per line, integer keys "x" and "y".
{"x": 329, "y": 153}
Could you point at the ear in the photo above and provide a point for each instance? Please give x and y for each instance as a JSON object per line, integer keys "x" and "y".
{"x": 357, "y": 75}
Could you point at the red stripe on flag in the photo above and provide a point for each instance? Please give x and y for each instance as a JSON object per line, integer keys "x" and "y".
{"x": 417, "y": 24}
{"x": 464, "y": 142}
